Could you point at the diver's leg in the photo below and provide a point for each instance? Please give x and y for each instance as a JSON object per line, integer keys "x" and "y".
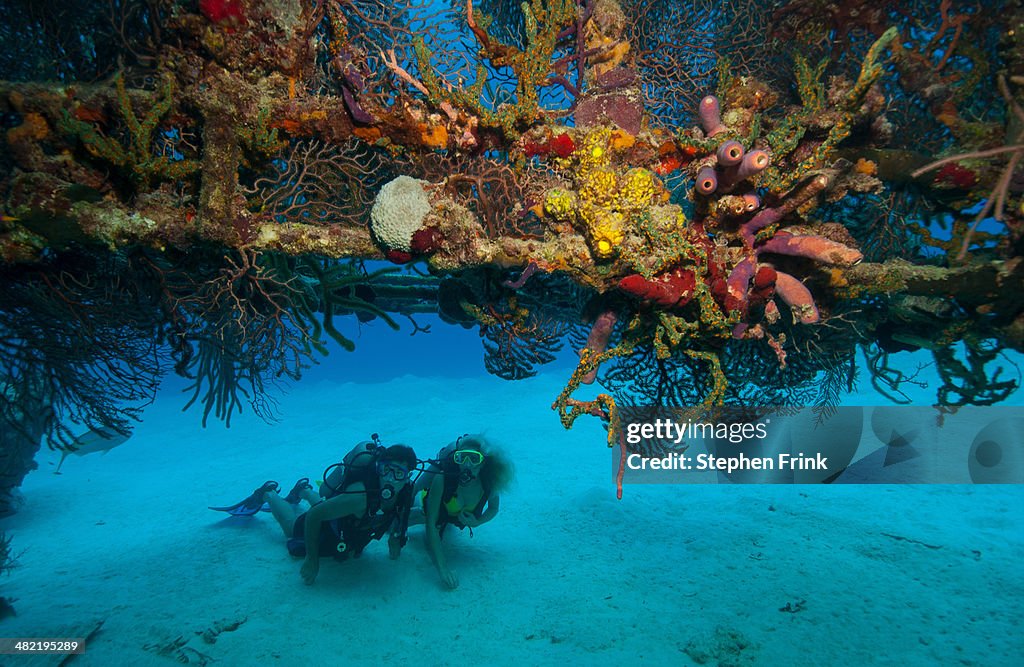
{"x": 310, "y": 496}
{"x": 283, "y": 511}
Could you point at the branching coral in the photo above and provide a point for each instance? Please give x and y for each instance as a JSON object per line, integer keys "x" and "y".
{"x": 676, "y": 47}
{"x": 316, "y": 183}
{"x": 244, "y": 332}
{"x": 786, "y": 138}
{"x": 78, "y": 347}
{"x": 969, "y": 383}
{"x": 331, "y": 289}
{"x": 136, "y": 154}
{"x": 516, "y": 340}
{"x": 521, "y": 323}
{"x": 531, "y": 66}
{"x": 995, "y": 202}
{"x": 888, "y": 379}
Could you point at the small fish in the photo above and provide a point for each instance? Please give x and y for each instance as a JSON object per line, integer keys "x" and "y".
{"x": 92, "y": 441}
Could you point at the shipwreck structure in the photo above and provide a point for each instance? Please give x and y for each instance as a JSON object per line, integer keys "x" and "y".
{"x": 715, "y": 203}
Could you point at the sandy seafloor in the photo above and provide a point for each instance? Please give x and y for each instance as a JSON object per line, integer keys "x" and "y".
{"x": 566, "y": 574}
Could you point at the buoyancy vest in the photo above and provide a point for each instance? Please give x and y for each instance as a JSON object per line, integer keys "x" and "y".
{"x": 355, "y": 532}
{"x": 452, "y": 472}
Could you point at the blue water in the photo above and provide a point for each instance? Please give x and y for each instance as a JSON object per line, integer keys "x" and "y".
{"x": 566, "y": 574}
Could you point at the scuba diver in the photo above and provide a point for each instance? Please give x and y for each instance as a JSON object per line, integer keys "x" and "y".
{"x": 460, "y": 488}
{"x": 364, "y": 497}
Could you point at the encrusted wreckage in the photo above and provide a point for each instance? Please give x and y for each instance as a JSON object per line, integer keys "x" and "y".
{"x": 723, "y": 223}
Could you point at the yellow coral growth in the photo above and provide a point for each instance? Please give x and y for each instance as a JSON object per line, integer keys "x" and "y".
{"x": 606, "y": 201}
{"x": 559, "y": 204}
{"x": 593, "y": 154}
{"x": 599, "y": 186}
{"x": 867, "y": 167}
{"x": 621, "y": 140}
{"x": 639, "y": 189}
{"x": 367, "y": 134}
{"x": 34, "y": 126}
{"x": 606, "y": 232}
{"x": 837, "y": 278}
{"x": 434, "y": 136}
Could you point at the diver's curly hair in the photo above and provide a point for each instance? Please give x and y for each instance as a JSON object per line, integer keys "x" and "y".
{"x": 497, "y": 472}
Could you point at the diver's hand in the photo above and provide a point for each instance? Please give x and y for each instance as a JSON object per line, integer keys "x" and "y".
{"x": 448, "y": 578}
{"x": 394, "y": 547}
{"x": 310, "y": 568}
{"x": 468, "y": 519}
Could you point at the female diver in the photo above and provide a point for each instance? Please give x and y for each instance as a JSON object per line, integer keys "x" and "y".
{"x": 461, "y": 487}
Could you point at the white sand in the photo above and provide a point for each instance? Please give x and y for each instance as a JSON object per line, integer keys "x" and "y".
{"x": 565, "y": 574}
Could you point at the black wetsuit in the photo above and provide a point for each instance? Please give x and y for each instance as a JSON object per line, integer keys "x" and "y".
{"x": 349, "y": 535}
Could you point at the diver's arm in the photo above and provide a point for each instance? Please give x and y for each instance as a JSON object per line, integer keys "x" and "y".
{"x": 394, "y": 547}
{"x": 395, "y": 540}
{"x": 493, "y": 505}
{"x": 433, "y": 511}
{"x": 398, "y": 530}
{"x": 344, "y": 504}
{"x": 469, "y": 519}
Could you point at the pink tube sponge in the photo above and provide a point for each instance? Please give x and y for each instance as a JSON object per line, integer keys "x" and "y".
{"x": 813, "y": 247}
{"x": 710, "y": 114}
{"x": 738, "y": 283}
{"x": 730, "y": 153}
{"x": 707, "y": 181}
{"x": 752, "y": 163}
{"x": 769, "y": 216}
{"x": 600, "y": 333}
{"x": 751, "y": 202}
{"x": 797, "y": 297}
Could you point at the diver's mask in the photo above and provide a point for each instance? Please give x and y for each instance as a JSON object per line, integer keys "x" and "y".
{"x": 470, "y": 457}
{"x": 392, "y": 476}
{"x": 468, "y": 461}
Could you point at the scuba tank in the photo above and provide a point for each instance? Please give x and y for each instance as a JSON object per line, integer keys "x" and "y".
{"x": 359, "y": 465}
{"x": 360, "y": 459}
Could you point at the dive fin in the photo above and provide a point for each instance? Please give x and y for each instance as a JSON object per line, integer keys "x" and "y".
{"x": 252, "y": 504}
{"x": 295, "y": 495}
